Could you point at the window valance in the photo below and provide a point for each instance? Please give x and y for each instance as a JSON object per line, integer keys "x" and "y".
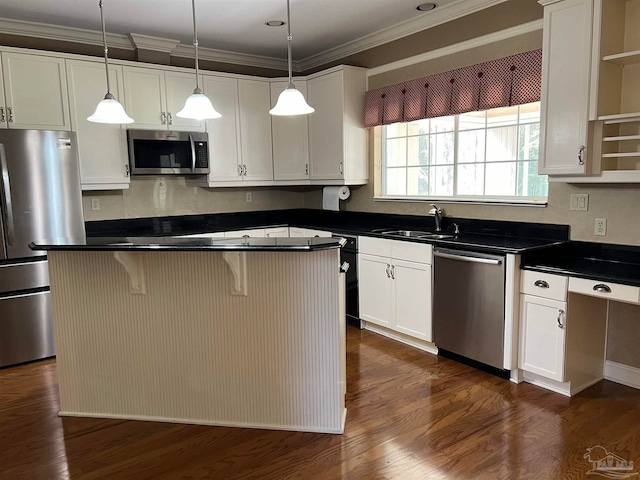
{"x": 512, "y": 80}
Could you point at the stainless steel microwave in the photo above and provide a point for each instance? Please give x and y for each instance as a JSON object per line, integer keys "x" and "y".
{"x": 160, "y": 152}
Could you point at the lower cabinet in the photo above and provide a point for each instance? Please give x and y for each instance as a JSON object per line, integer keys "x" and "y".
{"x": 543, "y": 336}
{"x": 307, "y": 232}
{"x": 254, "y": 232}
{"x": 275, "y": 232}
{"x": 396, "y": 292}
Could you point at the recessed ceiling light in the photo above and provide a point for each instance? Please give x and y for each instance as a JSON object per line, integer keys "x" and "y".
{"x": 425, "y": 7}
{"x": 275, "y": 23}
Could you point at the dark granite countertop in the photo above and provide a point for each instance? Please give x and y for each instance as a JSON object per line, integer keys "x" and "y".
{"x": 285, "y": 244}
{"x": 484, "y": 235}
{"x": 595, "y": 261}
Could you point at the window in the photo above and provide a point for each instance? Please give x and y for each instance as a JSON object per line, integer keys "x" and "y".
{"x": 489, "y": 155}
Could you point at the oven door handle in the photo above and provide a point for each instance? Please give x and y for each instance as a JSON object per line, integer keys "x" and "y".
{"x": 193, "y": 153}
{"x": 464, "y": 258}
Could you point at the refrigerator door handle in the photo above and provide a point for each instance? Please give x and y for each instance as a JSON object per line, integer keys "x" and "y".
{"x": 5, "y": 196}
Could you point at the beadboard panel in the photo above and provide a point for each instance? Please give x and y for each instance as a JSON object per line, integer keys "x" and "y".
{"x": 189, "y": 351}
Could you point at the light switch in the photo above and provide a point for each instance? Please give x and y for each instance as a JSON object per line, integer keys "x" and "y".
{"x": 579, "y": 202}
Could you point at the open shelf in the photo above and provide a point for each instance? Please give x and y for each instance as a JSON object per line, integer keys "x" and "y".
{"x": 621, "y": 154}
{"x": 626, "y": 58}
{"x": 620, "y": 118}
{"x": 621, "y": 138}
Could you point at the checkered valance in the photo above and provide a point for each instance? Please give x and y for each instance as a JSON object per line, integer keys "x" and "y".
{"x": 508, "y": 81}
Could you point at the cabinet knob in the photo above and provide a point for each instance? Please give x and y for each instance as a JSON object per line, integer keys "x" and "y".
{"x": 541, "y": 284}
{"x": 560, "y": 314}
{"x": 580, "y": 155}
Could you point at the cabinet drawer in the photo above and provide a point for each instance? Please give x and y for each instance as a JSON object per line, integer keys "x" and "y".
{"x": 611, "y": 291}
{"x": 412, "y": 252}
{"x": 374, "y": 246}
{"x": 544, "y": 285}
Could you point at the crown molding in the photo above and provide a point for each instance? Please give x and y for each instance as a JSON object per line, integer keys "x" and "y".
{"x": 158, "y": 44}
{"x": 64, "y": 34}
{"x": 459, "y": 47}
{"x": 223, "y": 56}
{"x": 440, "y": 15}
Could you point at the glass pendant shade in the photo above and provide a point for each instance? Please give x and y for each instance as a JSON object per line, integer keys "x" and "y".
{"x": 109, "y": 110}
{"x": 198, "y": 107}
{"x": 291, "y": 102}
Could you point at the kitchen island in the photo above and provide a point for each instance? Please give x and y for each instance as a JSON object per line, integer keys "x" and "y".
{"x": 238, "y": 332}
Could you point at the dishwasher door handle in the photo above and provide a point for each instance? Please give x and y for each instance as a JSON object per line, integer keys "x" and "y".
{"x": 464, "y": 258}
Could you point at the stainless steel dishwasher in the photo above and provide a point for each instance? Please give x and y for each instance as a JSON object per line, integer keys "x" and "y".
{"x": 468, "y": 307}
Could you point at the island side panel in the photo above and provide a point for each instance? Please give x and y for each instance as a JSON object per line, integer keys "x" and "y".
{"x": 189, "y": 351}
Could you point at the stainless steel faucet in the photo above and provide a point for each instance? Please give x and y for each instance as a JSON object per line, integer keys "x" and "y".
{"x": 437, "y": 214}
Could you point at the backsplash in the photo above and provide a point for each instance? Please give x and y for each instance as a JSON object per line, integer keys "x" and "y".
{"x": 162, "y": 196}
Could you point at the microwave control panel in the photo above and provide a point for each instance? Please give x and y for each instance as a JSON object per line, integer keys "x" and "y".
{"x": 202, "y": 155}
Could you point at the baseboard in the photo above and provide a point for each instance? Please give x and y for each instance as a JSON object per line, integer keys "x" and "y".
{"x": 563, "y": 388}
{"x": 624, "y": 374}
{"x": 401, "y": 337}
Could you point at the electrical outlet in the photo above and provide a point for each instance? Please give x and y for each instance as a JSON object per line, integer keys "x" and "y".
{"x": 95, "y": 204}
{"x": 600, "y": 227}
{"x": 249, "y": 197}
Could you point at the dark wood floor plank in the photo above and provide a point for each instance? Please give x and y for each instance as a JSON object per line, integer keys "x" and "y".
{"x": 411, "y": 415}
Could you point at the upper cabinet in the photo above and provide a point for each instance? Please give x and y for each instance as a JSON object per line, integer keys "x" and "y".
{"x": 35, "y": 92}
{"x": 102, "y": 148}
{"x": 337, "y": 137}
{"x": 290, "y": 135}
{"x": 240, "y": 141}
{"x": 590, "y": 102}
{"x": 152, "y": 97}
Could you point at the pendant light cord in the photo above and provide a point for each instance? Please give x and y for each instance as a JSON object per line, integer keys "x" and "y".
{"x": 195, "y": 44}
{"x": 289, "y": 38}
{"x": 106, "y": 50}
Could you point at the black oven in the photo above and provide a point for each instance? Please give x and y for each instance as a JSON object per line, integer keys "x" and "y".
{"x": 349, "y": 254}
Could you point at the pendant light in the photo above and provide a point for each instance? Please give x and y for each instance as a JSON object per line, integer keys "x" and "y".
{"x": 291, "y": 101}
{"x": 198, "y": 106}
{"x": 108, "y": 110}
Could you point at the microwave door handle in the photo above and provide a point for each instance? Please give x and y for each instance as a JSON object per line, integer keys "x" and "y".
{"x": 193, "y": 153}
{"x": 5, "y": 196}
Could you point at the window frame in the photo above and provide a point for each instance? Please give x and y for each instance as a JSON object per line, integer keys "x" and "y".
{"x": 380, "y": 173}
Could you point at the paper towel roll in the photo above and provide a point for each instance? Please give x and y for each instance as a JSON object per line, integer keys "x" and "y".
{"x": 331, "y": 197}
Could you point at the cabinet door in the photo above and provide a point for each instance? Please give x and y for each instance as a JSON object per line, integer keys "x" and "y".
{"x": 412, "y": 288}
{"x": 565, "y": 87}
{"x": 543, "y": 330}
{"x": 297, "y": 232}
{"x": 224, "y": 138}
{"x": 179, "y": 86}
{"x": 290, "y": 137}
{"x": 144, "y": 97}
{"x": 255, "y": 129}
{"x": 276, "y": 232}
{"x": 254, "y": 232}
{"x": 326, "y": 129}
{"x": 102, "y": 148}
{"x": 374, "y": 287}
{"x": 3, "y": 112}
{"x": 35, "y": 90}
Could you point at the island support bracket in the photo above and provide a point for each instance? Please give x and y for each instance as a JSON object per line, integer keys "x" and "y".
{"x": 132, "y": 263}
{"x": 237, "y": 263}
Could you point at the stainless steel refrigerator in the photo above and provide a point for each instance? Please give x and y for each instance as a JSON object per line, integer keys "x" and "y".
{"x": 40, "y": 198}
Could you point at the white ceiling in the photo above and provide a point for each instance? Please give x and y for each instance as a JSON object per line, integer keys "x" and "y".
{"x": 238, "y": 25}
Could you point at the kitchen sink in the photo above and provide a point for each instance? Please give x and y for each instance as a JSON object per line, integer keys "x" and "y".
{"x": 415, "y": 234}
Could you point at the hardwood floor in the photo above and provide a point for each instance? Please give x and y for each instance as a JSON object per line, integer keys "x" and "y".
{"x": 411, "y": 415}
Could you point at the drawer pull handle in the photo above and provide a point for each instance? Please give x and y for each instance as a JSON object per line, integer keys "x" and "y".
{"x": 602, "y": 288}
{"x": 388, "y": 271}
{"x": 541, "y": 284}
{"x": 560, "y": 313}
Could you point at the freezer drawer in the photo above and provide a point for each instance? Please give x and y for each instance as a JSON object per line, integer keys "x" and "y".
{"x": 23, "y": 276}
{"x": 26, "y": 330}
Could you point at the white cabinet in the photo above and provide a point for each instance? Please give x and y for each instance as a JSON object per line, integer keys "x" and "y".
{"x": 254, "y": 232}
{"x": 35, "y": 92}
{"x": 290, "y": 136}
{"x": 337, "y": 137}
{"x": 543, "y": 336}
{"x": 307, "y": 232}
{"x": 153, "y": 96}
{"x": 240, "y": 141}
{"x": 102, "y": 148}
{"x": 395, "y": 285}
{"x": 274, "y": 232}
{"x": 566, "y": 74}
{"x": 255, "y": 129}
{"x": 202, "y": 235}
